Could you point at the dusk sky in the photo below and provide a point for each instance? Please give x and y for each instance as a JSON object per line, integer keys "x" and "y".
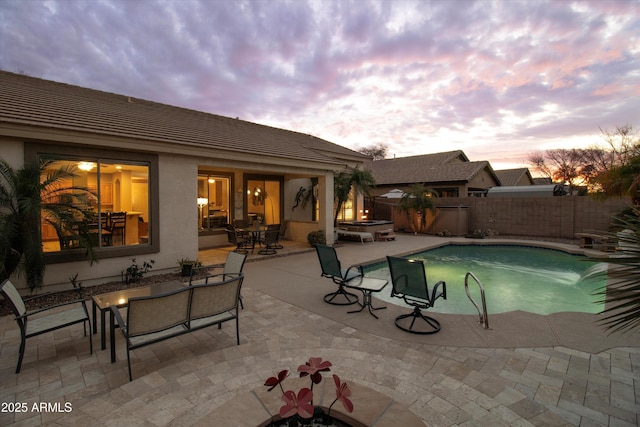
{"x": 497, "y": 79}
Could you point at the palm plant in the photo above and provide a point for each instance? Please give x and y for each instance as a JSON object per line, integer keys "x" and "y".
{"x": 622, "y": 294}
{"x": 360, "y": 180}
{"x": 418, "y": 199}
{"x": 33, "y": 193}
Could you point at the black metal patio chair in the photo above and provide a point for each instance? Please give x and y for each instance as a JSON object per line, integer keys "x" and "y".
{"x": 332, "y": 269}
{"x": 409, "y": 281}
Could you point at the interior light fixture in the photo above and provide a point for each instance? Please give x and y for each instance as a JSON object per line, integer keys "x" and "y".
{"x": 86, "y": 166}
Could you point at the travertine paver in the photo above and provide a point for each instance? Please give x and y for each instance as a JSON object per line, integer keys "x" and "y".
{"x": 181, "y": 381}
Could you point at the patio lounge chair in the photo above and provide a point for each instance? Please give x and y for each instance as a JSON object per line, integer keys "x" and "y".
{"x": 410, "y": 283}
{"x": 43, "y": 320}
{"x": 331, "y": 268}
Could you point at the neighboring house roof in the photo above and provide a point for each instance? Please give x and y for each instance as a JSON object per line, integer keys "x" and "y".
{"x": 542, "y": 181}
{"x": 511, "y": 177}
{"x": 42, "y": 103}
{"x": 452, "y": 166}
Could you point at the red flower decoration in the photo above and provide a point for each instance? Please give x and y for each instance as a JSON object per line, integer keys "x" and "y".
{"x": 273, "y": 382}
{"x": 313, "y": 367}
{"x": 343, "y": 393}
{"x": 300, "y": 404}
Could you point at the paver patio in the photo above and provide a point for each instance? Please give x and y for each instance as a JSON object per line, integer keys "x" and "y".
{"x": 527, "y": 370}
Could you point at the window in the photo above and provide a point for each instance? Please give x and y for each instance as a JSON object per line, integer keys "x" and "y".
{"x": 116, "y": 208}
{"x": 119, "y": 182}
{"x": 347, "y": 211}
{"x": 213, "y": 201}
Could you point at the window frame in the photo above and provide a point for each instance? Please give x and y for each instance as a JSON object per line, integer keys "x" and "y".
{"x": 35, "y": 150}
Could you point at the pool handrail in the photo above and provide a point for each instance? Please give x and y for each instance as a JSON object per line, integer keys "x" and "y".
{"x": 484, "y": 318}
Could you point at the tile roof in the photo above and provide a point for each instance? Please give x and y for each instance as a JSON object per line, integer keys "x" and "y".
{"x": 452, "y": 166}
{"x": 43, "y": 103}
{"x": 510, "y": 177}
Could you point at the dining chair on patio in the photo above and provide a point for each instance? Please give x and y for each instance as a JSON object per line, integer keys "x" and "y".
{"x": 278, "y": 228}
{"x": 43, "y": 320}
{"x": 409, "y": 281}
{"x": 332, "y": 269}
{"x": 270, "y": 242}
{"x": 242, "y": 243}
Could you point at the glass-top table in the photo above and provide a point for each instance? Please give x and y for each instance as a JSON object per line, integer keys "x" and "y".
{"x": 367, "y": 285}
{"x": 104, "y": 302}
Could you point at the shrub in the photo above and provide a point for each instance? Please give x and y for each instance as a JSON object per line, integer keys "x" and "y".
{"x": 317, "y": 237}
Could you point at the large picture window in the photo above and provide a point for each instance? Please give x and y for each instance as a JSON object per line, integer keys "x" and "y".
{"x": 117, "y": 211}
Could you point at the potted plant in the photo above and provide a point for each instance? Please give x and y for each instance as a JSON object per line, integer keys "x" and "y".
{"x": 298, "y": 408}
{"x": 186, "y": 265}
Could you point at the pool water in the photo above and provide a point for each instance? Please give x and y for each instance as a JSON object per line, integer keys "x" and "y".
{"x": 536, "y": 280}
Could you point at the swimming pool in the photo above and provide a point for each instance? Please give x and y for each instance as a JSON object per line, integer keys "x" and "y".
{"x": 527, "y": 278}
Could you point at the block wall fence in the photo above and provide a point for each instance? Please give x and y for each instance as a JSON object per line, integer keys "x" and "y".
{"x": 560, "y": 217}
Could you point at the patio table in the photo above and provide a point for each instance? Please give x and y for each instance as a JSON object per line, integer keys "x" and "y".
{"x": 367, "y": 285}
{"x": 255, "y": 231}
{"x": 104, "y": 302}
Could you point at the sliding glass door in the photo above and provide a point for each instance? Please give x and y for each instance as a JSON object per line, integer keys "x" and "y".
{"x": 263, "y": 201}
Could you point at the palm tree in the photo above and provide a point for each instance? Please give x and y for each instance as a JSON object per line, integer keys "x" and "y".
{"x": 622, "y": 294}
{"x": 360, "y": 180}
{"x": 418, "y": 199}
{"x": 33, "y": 193}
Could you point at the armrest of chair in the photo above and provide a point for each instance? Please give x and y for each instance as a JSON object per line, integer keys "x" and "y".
{"x": 118, "y": 317}
{"x": 360, "y": 272}
{"x": 79, "y": 291}
{"x": 201, "y": 273}
{"x": 40, "y": 310}
{"x": 434, "y": 292}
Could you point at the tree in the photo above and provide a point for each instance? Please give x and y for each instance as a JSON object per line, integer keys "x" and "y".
{"x": 621, "y": 180}
{"x": 375, "y": 152}
{"x": 615, "y": 170}
{"x": 418, "y": 199}
{"x": 561, "y": 165}
{"x": 606, "y": 168}
{"x": 33, "y": 193}
{"x": 360, "y": 180}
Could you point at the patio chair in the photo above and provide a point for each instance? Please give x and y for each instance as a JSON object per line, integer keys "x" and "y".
{"x": 331, "y": 269}
{"x": 232, "y": 266}
{"x": 278, "y": 228}
{"x": 41, "y": 321}
{"x": 270, "y": 242}
{"x": 242, "y": 243}
{"x": 410, "y": 283}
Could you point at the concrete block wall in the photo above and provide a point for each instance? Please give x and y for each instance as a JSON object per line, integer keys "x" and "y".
{"x": 539, "y": 216}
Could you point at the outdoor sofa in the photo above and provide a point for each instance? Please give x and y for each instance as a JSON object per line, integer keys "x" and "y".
{"x": 151, "y": 319}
